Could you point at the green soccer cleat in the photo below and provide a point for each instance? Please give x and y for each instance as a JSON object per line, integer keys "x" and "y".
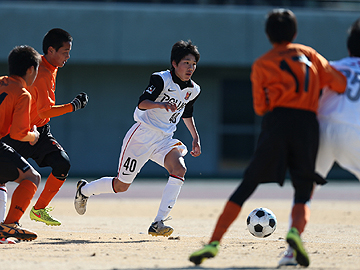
{"x": 208, "y": 251}
{"x": 294, "y": 240}
{"x": 42, "y": 215}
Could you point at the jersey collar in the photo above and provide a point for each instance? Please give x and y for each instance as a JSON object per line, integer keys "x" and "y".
{"x": 181, "y": 83}
{"x": 47, "y": 64}
{"x": 20, "y": 80}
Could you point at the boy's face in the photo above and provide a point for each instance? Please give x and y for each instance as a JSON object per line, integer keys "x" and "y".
{"x": 59, "y": 58}
{"x": 186, "y": 67}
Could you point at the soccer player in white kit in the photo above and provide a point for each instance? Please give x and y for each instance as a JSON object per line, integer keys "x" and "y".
{"x": 339, "y": 115}
{"x": 339, "y": 121}
{"x": 169, "y": 97}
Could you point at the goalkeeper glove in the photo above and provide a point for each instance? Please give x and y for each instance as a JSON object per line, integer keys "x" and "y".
{"x": 80, "y": 101}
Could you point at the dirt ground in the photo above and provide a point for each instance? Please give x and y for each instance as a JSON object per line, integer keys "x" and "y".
{"x": 113, "y": 232}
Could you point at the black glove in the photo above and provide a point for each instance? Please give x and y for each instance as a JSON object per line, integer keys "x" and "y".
{"x": 80, "y": 101}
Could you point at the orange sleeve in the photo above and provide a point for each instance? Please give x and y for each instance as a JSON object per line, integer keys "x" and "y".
{"x": 21, "y": 118}
{"x": 44, "y": 88}
{"x": 259, "y": 98}
{"x": 57, "y": 110}
{"x": 46, "y": 97}
{"x": 331, "y": 77}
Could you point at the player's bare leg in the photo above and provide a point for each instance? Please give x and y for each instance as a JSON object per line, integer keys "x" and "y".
{"x": 28, "y": 182}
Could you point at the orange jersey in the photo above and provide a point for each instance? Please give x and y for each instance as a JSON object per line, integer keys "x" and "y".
{"x": 15, "y": 103}
{"x": 292, "y": 75}
{"x": 43, "y": 92}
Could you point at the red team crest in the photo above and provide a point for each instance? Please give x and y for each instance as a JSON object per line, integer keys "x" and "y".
{"x": 188, "y": 94}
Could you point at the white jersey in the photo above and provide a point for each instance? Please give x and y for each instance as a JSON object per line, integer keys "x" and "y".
{"x": 339, "y": 119}
{"x": 161, "y": 119}
{"x": 343, "y": 108}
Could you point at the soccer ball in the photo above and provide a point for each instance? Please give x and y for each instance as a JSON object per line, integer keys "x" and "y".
{"x": 261, "y": 222}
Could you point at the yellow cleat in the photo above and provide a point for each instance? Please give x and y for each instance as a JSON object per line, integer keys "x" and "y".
{"x": 42, "y": 215}
{"x": 208, "y": 251}
{"x": 294, "y": 240}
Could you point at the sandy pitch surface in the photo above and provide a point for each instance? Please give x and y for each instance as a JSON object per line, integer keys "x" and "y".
{"x": 113, "y": 232}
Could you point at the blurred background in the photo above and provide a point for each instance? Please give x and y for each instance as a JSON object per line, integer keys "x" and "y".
{"x": 119, "y": 44}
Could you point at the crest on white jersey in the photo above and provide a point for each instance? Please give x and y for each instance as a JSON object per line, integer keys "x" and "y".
{"x": 150, "y": 89}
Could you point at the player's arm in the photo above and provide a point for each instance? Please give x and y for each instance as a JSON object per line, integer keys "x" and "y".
{"x": 190, "y": 124}
{"x": 56, "y": 110}
{"x": 45, "y": 104}
{"x": 79, "y": 102}
{"x": 19, "y": 129}
{"x": 32, "y": 136}
{"x": 153, "y": 90}
{"x": 148, "y": 104}
{"x": 331, "y": 77}
{"x": 260, "y": 101}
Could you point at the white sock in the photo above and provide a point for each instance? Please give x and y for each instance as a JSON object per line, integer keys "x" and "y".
{"x": 170, "y": 194}
{"x": 3, "y": 200}
{"x": 100, "y": 186}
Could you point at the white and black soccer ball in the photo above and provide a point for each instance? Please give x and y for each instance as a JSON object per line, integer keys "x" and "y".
{"x": 261, "y": 222}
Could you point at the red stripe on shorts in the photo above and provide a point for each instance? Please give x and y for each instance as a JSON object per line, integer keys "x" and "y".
{"x": 122, "y": 157}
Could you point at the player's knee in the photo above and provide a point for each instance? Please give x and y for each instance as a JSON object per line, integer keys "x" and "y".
{"x": 37, "y": 177}
{"x": 302, "y": 198}
{"x": 61, "y": 168}
{"x": 33, "y": 176}
{"x": 61, "y": 171}
{"x": 179, "y": 171}
{"x": 303, "y": 193}
{"x": 60, "y": 164}
{"x": 244, "y": 191}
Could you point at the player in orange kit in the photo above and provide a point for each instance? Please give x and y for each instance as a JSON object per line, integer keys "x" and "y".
{"x": 15, "y": 102}
{"x": 286, "y": 84}
{"x": 48, "y": 152}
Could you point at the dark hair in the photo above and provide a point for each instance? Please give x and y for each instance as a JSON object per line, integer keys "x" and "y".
{"x": 182, "y": 48}
{"x": 281, "y": 25}
{"x": 353, "y": 40}
{"x": 21, "y": 58}
{"x": 55, "y": 38}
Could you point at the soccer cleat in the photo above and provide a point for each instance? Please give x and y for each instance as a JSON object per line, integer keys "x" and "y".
{"x": 7, "y": 241}
{"x": 294, "y": 240}
{"x": 208, "y": 251}
{"x": 80, "y": 199}
{"x": 158, "y": 228}
{"x": 14, "y": 230}
{"x": 42, "y": 215}
{"x": 288, "y": 258}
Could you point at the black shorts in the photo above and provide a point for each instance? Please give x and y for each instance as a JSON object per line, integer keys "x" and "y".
{"x": 45, "y": 145}
{"x": 10, "y": 162}
{"x": 289, "y": 140}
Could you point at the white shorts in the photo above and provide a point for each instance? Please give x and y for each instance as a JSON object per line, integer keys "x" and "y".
{"x": 141, "y": 144}
{"x": 338, "y": 143}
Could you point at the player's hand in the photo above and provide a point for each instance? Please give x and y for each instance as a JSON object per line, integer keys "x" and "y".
{"x": 168, "y": 106}
{"x": 196, "y": 148}
{"x": 80, "y": 101}
{"x": 37, "y": 135}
